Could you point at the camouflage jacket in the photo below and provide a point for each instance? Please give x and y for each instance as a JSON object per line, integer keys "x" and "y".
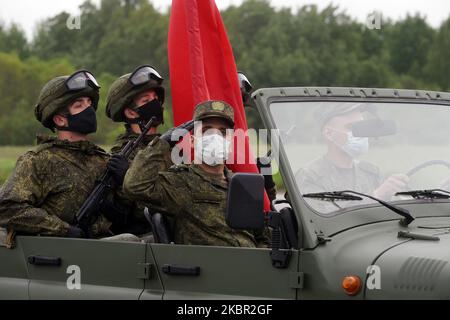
{"x": 194, "y": 199}
{"x": 322, "y": 175}
{"x": 49, "y": 184}
{"x": 136, "y": 222}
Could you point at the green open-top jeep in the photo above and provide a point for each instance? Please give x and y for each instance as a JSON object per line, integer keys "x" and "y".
{"x": 366, "y": 214}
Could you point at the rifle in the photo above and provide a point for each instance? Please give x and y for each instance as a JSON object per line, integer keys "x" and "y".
{"x": 90, "y": 210}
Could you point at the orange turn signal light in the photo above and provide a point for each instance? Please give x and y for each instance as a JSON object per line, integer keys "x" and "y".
{"x": 351, "y": 285}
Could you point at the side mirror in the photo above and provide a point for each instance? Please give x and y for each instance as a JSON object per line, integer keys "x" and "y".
{"x": 245, "y": 203}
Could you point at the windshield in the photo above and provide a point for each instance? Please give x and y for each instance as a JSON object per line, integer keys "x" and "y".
{"x": 373, "y": 148}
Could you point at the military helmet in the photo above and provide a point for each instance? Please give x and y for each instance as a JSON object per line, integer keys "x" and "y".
{"x": 59, "y": 92}
{"x": 214, "y": 109}
{"x": 245, "y": 86}
{"x": 244, "y": 83}
{"x": 125, "y": 88}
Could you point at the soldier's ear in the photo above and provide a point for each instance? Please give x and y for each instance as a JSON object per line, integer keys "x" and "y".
{"x": 60, "y": 120}
{"x": 327, "y": 133}
{"x": 130, "y": 113}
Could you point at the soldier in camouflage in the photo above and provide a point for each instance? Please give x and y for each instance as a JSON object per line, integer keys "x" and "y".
{"x": 194, "y": 195}
{"x": 340, "y": 169}
{"x": 134, "y": 99}
{"x": 51, "y": 182}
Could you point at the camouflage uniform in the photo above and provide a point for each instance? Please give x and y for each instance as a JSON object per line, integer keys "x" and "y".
{"x": 136, "y": 221}
{"x": 194, "y": 199}
{"x": 49, "y": 184}
{"x": 322, "y": 175}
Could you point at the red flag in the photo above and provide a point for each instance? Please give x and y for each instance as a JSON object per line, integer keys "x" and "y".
{"x": 202, "y": 66}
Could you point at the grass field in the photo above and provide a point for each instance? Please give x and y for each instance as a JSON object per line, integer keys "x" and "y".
{"x": 8, "y": 158}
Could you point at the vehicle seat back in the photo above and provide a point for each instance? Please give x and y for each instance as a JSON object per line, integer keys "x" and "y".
{"x": 159, "y": 226}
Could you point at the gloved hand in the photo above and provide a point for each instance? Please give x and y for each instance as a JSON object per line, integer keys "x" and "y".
{"x": 265, "y": 168}
{"x": 172, "y": 136}
{"x": 263, "y": 162}
{"x": 118, "y": 165}
{"x": 75, "y": 232}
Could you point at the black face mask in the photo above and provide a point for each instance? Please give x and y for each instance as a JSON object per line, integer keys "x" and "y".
{"x": 84, "y": 122}
{"x": 151, "y": 109}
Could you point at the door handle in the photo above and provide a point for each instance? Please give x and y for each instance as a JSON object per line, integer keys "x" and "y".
{"x": 44, "y": 261}
{"x": 173, "y": 269}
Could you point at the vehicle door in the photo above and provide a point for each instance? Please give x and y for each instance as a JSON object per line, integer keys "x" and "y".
{"x": 61, "y": 268}
{"x": 207, "y": 272}
{"x": 13, "y": 271}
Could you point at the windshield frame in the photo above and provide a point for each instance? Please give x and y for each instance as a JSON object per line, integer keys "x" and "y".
{"x": 314, "y": 222}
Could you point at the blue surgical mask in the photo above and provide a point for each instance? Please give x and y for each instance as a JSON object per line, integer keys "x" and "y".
{"x": 355, "y": 146}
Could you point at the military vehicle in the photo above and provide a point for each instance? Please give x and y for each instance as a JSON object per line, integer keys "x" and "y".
{"x": 335, "y": 234}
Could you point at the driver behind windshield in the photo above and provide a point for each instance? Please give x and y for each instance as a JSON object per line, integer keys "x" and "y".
{"x": 340, "y": 168}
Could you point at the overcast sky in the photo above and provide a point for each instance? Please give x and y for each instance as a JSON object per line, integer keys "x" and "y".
{"x": 28, "y": 12}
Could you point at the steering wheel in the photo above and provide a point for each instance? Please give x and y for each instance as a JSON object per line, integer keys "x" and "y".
{"x": 427, "y": 164}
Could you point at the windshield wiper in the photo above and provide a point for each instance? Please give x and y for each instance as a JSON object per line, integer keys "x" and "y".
{"x": 347, "y": 195}
{"x": 332, "y": 196}
{"x": 426, "y": 194}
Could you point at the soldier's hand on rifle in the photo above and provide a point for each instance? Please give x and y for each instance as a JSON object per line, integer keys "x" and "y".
{"x": 75, "y": 232}
{"x": 172, "y": 136}
{"x": 118, "y": 165}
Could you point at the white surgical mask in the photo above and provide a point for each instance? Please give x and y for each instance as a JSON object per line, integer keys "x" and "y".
{"x": 212, "y": 149}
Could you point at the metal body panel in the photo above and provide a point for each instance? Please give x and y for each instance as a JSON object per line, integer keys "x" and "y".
{"x": 13, "y": 273}
{"x": 107, "y": 269}
{"x": 225, "y": 273}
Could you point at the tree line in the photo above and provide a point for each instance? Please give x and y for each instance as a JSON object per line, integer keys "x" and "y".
{"x": 274, "y": 47}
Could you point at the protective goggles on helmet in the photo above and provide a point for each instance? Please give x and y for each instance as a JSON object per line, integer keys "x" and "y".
{"x": 144, "y": 74}
{"x": 244, "y": 83}
{"x": 81, "y": 80}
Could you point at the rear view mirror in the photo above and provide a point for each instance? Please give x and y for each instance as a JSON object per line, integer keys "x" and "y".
{"x": 373, "y": 128}
{"x": 245, "y": 203}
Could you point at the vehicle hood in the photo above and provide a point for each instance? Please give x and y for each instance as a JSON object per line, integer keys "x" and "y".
{"x": 415, "y": 269}
{"x": 407, "y": 268}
